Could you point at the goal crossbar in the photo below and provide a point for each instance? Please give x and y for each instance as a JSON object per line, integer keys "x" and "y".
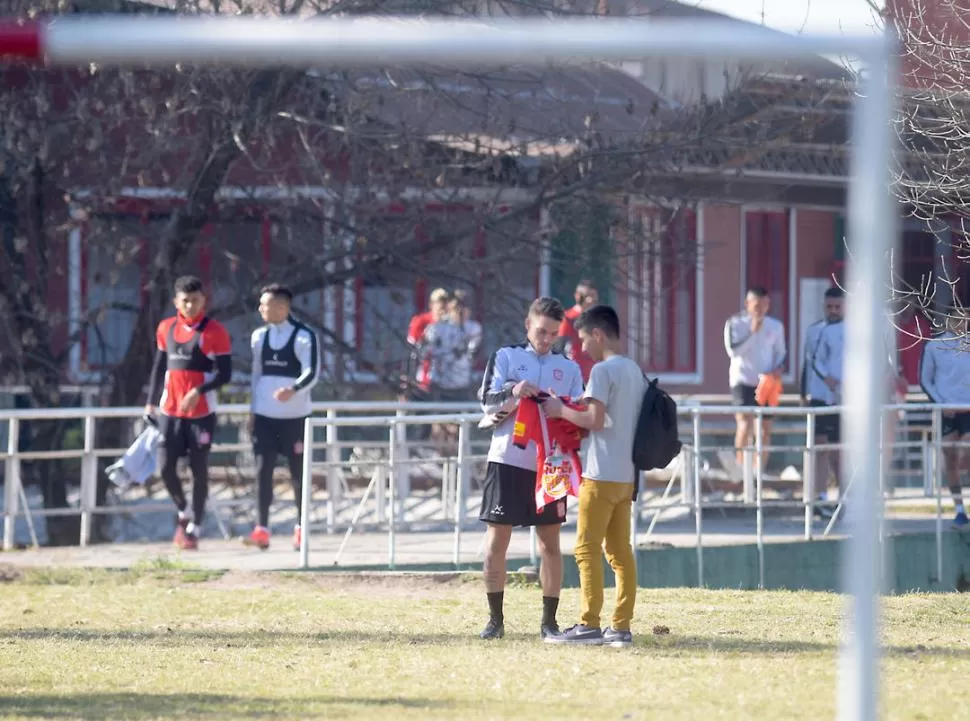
{"x": 872, "y": 219}
{"x": 261, "y": 41}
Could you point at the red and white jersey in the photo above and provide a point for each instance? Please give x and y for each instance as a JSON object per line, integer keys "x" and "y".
{"x": 192, "y": 350}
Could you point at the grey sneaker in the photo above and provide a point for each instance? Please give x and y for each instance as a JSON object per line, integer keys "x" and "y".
{"x": 578, "y": 635}
{"x": 617, "y": 639}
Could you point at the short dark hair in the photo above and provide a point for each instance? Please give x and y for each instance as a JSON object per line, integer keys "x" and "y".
{"x": 835, "y": 292}
{"x": 188, "y": 284}
{"x": 602, "y": 317}
{"x": 758, "y": 291}
{"x": 277, "y": 290}
{"x": 547, "y": 308}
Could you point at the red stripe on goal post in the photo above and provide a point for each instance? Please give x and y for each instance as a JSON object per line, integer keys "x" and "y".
{"x": 21, "y": 40}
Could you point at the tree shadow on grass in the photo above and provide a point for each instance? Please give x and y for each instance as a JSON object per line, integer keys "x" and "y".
{"x": 99, "y": 706}
{"x": 738, "y": 644}
{"x": 181, "y": 638}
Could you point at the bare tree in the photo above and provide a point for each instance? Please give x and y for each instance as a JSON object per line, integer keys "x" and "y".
{"x": 934, "y": 132}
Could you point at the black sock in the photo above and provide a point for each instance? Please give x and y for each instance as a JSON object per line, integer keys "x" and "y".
{"x": 495, "y": 601}
{"x": 550, "y": 604}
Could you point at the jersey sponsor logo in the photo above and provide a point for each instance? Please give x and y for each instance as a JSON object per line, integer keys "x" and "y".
{"x": 522, "y": 369}
{"x": 276, "y": 362}
{"x": 519, "y": 429}
{"x": 557, "y": 374}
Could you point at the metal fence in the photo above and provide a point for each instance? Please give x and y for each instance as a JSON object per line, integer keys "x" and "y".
{"x": 913, "y": 433}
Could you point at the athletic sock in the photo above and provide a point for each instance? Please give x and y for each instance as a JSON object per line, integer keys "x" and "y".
{"x": 192, "y": 529}
{"x": 550, "y": 604}
{"x": 495, "y": 601}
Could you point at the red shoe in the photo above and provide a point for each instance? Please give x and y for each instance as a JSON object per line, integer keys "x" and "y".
{"x": 259, "y": 538}
{"x": 191, "y": 542}
{"x": 297, "y": 538}
{"x": 181, "y": 524}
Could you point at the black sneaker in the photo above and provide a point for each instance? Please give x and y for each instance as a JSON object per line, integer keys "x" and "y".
{"x": 492, "y": 631}
{"x": 549, "y": 631}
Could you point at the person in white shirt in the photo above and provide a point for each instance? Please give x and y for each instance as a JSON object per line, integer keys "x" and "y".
{"x": 286, "y": 366}
{"x": 755, "y": 343}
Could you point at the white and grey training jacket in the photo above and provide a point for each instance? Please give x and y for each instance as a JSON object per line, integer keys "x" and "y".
{"x": 812, "y": 385}
{"x": 507, "y": 367}
{"x": 944, "y": 369}
{"x": 829, "y": 357}
{"x": 753, "y": 354}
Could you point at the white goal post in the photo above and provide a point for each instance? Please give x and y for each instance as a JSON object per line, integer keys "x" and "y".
{"x": 872, "y": 218}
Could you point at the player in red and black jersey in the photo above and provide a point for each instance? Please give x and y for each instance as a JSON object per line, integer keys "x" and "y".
{"x": 194, "y": 359}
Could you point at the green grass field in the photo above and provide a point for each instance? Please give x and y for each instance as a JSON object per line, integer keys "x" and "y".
{"x": 161, "y": 641}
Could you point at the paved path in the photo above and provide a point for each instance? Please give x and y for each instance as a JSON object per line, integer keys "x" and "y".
{"x": 371, "y": 549}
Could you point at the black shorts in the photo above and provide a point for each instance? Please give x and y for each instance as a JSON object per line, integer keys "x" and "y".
{"x": 742, "y": 395}
{"x": 509, "y": 499}
{"x": 453, "y": 395}
{"x": 959, "y": 423}
{"x": 184, "y": 436}
{"x": 828, "y": 425}
{"x": 278, "y": 436}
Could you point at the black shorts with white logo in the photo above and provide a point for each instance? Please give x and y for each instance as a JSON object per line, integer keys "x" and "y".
{"x": 186, "y": 436}
{"x": 278, "y": 436}
{"x": 958, "y": 423}
{"x": 509, "y": 499}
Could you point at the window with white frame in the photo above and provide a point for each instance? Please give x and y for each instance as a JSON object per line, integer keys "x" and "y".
{"x": 661, "y": 261}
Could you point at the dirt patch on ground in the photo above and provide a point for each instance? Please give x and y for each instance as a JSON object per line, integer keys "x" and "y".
{"x": 384, "y": 584}
{"x": 9, "y": 573}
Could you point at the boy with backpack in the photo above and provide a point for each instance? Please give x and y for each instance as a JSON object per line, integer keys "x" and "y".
{"x": 613, "y": 402}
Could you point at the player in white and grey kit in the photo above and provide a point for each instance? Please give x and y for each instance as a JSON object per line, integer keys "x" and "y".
{"x": 828, "y": 363}
{"x": 816, "y": 393}
{"x": 508, "y": 494}
{"x": 944, "y": 374}
{"x": 286, "y": 366}
{"x": 755, "y": 343}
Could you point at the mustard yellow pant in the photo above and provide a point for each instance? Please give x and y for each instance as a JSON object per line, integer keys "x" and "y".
{"x": 604, "y": 516}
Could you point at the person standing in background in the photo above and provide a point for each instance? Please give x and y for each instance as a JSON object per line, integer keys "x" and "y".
{"x": 755, "y": 343}
{"x": 417, "y": 381}
{"x": 586, "y": 296}
{"x": 286, "y": 366}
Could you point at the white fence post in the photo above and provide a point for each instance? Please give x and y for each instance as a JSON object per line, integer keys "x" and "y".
{"x": 391, "y": 494}
{"x": 460, "y": 479}
{"x": 11, "y": 483}
{"x": 89, "y": 480}
{"x": 306, "y": 493}
{"x": 334, "y": 491}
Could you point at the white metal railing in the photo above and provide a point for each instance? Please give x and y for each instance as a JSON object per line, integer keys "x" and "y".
{"x": 391, "y": 485}
{"x": 89, "y": 453}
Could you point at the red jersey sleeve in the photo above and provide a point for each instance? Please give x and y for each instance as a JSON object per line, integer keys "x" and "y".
{"x": 215, "y": 339}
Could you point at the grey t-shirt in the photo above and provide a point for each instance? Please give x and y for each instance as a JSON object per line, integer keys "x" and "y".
{"x": 617, "y": 383}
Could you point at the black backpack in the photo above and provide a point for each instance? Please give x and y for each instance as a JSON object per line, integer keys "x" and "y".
{"x": 656, "y": 442}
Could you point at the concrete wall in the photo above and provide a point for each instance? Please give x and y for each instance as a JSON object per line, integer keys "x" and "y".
{"x": 815, "y": 565}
